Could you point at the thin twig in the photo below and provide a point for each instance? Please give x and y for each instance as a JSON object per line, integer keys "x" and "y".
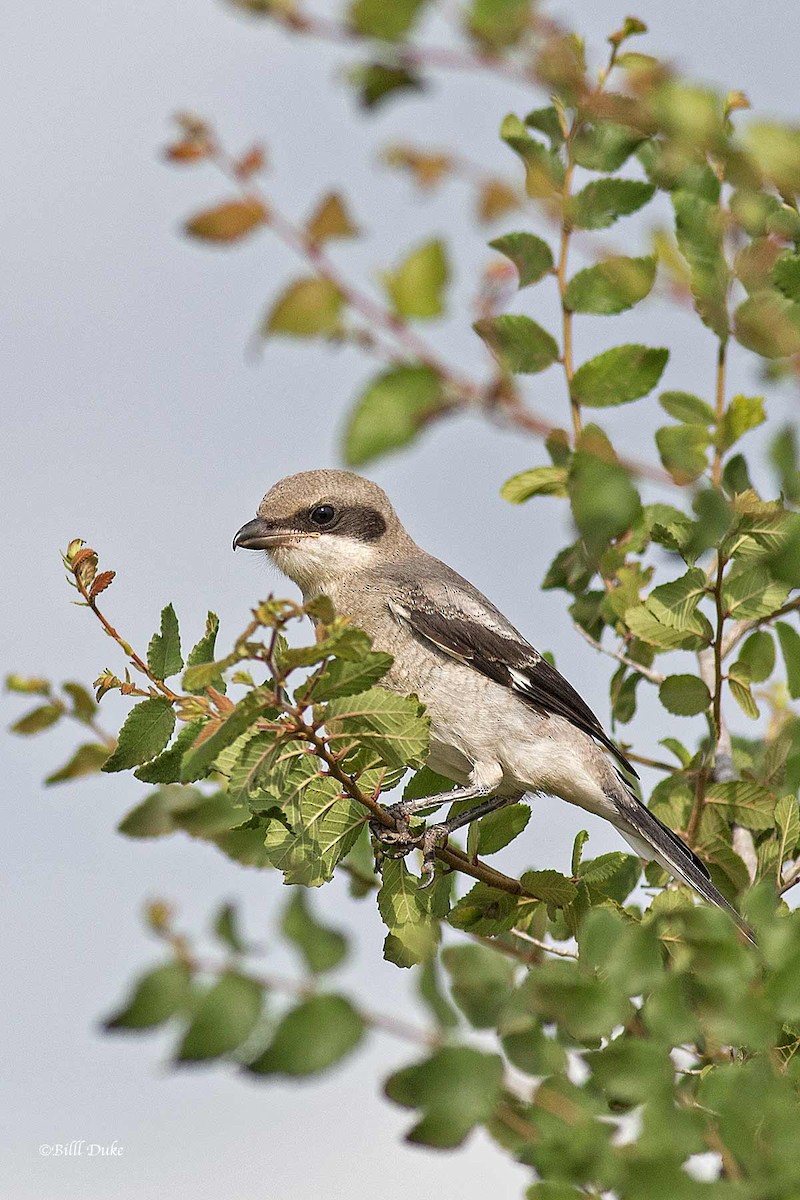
{"x": 647, "y": 672}
{"x": 548, "y": 946}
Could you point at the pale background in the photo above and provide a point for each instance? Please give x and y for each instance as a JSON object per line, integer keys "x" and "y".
{"x": 134, "y": 419}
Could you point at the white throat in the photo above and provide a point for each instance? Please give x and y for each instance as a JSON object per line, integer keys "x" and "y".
{"x": 317, "y": 564}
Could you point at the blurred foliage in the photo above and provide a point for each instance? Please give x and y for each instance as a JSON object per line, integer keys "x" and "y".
{"x": 622, "y": 1052}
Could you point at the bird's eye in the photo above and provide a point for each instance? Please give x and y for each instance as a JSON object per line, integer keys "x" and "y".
{"x": 323, "y": 514}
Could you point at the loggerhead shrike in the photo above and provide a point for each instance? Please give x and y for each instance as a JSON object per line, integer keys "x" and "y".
{"x": 503, "y": 721}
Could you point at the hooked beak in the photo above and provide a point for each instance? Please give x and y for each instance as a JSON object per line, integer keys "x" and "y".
{"x": 258, "y": 534}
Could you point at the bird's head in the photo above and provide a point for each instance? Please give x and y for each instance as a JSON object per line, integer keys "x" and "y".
{"x": 322, "y": 526}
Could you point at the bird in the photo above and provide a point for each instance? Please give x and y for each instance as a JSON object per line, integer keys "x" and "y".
{"x": 504, "y": 722}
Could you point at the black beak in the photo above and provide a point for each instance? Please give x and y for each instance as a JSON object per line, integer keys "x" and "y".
{"x": 258, "y": 535}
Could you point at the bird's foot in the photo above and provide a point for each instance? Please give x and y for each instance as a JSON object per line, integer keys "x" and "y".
{"x": 398, "y": 841}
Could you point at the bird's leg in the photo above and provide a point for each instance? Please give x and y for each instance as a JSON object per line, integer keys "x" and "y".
{"x": 434, "y": 837}
{"x": 400, "y": 838}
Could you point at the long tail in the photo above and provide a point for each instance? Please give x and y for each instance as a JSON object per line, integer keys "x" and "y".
{"x": 652, "y": 839}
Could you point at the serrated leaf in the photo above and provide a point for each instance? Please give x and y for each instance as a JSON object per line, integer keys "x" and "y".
{"x": 742, "y": 414}
{"x": 228, "y": 222}
{"x": 789, "y": 639}
{"x": 225, "y": 1017}
{"x": 203, "y": 652}
{"x": 321, "y": 947}
{"x": 786, "y": 276}
{"x": 393, "y": 726}
{"x": 343, "y": 677}
{"x": 484, "y": 911}
{"x": 544, "y": 170}
{"x": 167, "y": 766}
{"x": 324, "y": 825}
{"x": 518, "y": 343}
{"x": 787, "y": 819}
{"x": 157, "y": 995}
{"x": 539, "y": 481}
{"x": 311, "y": 1038}
{"x": 199, "y": 759}
{"x": 745, "y": 802}
{"x": 614, "y": 875}
{"x": 164, "y": 652}
{"x": 87, "y": 760}
{"x": 618, "y": 376}
{"x": 306, "y": 308}
{"x": 604, "y": 201}
{"x": 416, "y": 287}
{"x": 496, "y": 830}
{"x": 751, "y": 593}
{"x": 684, "y": 695}
{"x": 699, "y": 227}
{"x": 391, "y": 411}
{"x": 409, "y": 914}
{"x": 146, "y": 731}
{"x": 550, "y": 886}
{"x": 612, "y": 286}
{"x": 532, "y": 256}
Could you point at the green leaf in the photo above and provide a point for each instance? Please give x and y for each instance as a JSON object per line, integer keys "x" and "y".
{"x": 684, "y": 695}
{"x": 532, "y": 257}
{"x": 393, "y": 726}
{"x": 167, "y": 766}
{"x": 38, "y": 719}
{"x": 550, "y": 886}
{"x": 86, "y": 760}
{"x": 699, "y": 227}
{"x": 375, "y": 19}
{"x": 611, "y": 286}
{"x": 484, "y": 911}
{"x": 496, "y": 24}
{"x": 416, "y": 287}
{"x": 742, "y": 414}
{"x": 84, "y": 705}
{"x": 518, "y": 343}
{"x": 409, "y": 915}
{"x": 547, "y": 121}
{"x": 784, "y": 561}
{"x": 321, "y": 947}
{"x": 758, "y": 655}
{"x": 740, "y": 690}
{"x": 751, "y": 593}
{"x": 786, "y": 276}
{"x": 157, "y": 995}
{"x": 539, "y": 481}
{"x": 202, "y": 653}
{"x": 27, "y": 685}
{"x": 146, "y": 731}
{"x": 499, "y": 828}
{"x": 768, "y": 324}
{"x": 603, "y": 201}
{"x": 544, "y": 170}
{"x": 344, "y": 677}
{"x": 789, "y": 639}
{"x": 683, "y": 406}
{"x": 613, "y": 875}
{"x": 787, "y": 819}
{"x": 582, "y": 1004}
{"x": 376, "y": 82}
{"x": 603, "y": 499}
{"x": 306, "y": 308}
{"x": 456, "y": 1088}
{"x": 604, "y": 145}
{"x": 311, "y": 1038}
{"x": 581, "y": 838}
{"x": 480, "y": 981}
{"x": 430, "y": 992}
{"x": 682, "y": 450}
{"x": 391, "y": 411}
{"x": 618, "y": 376}
{"x": 164, "y": 652}
{"x": 776, "y": 150}
{"x": 225, "y": 1017}
{"x": 226, "y": 928}
{"x": 744, "y": 802}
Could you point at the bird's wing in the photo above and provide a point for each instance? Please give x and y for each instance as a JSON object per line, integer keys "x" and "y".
{"x": 462, "y": 624}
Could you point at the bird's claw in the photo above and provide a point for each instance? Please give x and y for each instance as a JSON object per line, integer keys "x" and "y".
{"x": 397, "y": 842}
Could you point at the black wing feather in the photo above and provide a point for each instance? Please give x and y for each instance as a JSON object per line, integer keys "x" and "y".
{"x": 513, "y": 663}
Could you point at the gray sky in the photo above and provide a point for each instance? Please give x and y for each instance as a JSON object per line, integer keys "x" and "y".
{"x": 135, "y": 420}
